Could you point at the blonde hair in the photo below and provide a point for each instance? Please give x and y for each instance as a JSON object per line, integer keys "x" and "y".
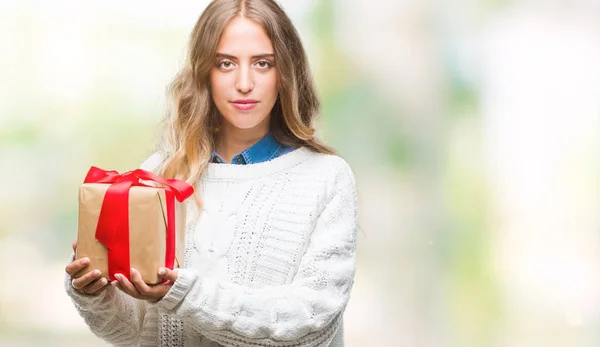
{"x": 189, "y": 136}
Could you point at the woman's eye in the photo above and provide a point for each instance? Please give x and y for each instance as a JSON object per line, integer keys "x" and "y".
{"x": 264, "y": 64}
{"x": 225, "y": 64}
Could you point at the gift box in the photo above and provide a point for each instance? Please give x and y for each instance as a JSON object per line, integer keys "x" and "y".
{"x": 135, "y": 219}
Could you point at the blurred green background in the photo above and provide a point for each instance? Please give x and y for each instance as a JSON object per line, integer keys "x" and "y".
{"x": 473, "y": 128}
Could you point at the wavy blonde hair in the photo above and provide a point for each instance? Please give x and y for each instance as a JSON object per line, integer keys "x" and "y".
{"x": 189, "y": 136}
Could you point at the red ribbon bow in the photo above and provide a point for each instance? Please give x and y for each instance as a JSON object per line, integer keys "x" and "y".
{"x": 113, "y": 224}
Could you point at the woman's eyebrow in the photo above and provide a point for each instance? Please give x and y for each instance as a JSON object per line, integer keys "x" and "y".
{"x": 232, "y": 57}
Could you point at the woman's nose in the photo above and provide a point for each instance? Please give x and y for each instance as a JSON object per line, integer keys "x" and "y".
{"x": 244, "y": 82}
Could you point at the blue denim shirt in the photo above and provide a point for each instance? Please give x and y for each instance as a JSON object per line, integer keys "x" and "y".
{"x": 266, "y": 149}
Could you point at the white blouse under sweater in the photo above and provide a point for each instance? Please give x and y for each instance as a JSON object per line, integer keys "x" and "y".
{"x": 270, "y": 262}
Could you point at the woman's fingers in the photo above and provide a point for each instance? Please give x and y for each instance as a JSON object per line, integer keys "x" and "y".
{"x": 79, "y": 283}
{"x": 77, "y": 265}
{"x": 154, "y": 292}
{"x": 138, "y": 289}
{"x": 168, "y": 274}
{"x": 95, "y": 287}
{"x": 127, "y": 286}
{"x": 117, "y": 285}
{"x": 88, "y": 283}
{"x": 91, "y": 283}
{"x": 139, "y": 284}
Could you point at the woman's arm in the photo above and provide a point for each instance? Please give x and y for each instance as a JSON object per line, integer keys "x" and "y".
{"x": 111, "y": 315}
{"x": 306, "y": 312}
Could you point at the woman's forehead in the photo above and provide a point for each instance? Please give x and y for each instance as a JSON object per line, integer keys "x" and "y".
{"x": 244, "y": 37}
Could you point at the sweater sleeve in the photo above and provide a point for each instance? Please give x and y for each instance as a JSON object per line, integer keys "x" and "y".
{"x": 112, "y": 315}
{"x": 306, "y": 312}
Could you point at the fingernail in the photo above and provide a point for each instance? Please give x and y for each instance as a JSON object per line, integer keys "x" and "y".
{"x": 118, "y": 276}
{"x": 97, "y": 272}
{"x": 103, "y": 281}
{"x": 133, "y": 270}
{"x": 161, "y": 271}
{"x": 86, "y": 261}
{"x": 114, "y": 283}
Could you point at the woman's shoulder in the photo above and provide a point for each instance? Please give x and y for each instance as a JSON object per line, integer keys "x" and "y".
{"x": 331, "y": 166}
{"x": 153, "y": 161}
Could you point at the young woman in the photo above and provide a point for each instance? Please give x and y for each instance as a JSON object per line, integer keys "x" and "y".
{"x": 271, "y": 236}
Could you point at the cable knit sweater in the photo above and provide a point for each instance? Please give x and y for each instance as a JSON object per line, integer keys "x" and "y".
{"x": 270, "y": 262}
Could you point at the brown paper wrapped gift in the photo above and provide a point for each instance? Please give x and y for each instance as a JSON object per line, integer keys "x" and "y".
{"x": 147, "y": 230}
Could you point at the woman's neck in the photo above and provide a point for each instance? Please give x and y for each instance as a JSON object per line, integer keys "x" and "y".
{"x": 233, "y": 141}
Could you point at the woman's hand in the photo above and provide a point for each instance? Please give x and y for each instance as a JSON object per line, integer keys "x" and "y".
{"x": 140, "y": 290}
{"x": 88, "y": 283}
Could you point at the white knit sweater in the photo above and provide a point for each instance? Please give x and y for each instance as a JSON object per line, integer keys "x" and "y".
{"x": 270, "y": 262}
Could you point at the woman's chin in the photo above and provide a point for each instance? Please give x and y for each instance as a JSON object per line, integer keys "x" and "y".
{"x": 245, "y": 121}
{"x": 245, "y": 125}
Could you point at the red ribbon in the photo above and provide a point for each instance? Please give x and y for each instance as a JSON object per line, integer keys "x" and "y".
{"x": 113, "y": 224}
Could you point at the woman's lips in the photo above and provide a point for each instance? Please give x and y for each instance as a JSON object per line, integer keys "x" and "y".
{"x": 244, "y": 105}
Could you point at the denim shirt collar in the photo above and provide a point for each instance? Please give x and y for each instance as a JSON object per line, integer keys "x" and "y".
{"x": 265, "y": 149}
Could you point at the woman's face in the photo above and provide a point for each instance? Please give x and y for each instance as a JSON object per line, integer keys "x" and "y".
{"x": 243, "y": 79}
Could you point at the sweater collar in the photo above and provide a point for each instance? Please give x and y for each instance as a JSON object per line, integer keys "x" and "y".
{"x": 217, "y": 172}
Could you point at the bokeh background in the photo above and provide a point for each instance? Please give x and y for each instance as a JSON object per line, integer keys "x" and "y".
{"x": 473, "y": 128}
